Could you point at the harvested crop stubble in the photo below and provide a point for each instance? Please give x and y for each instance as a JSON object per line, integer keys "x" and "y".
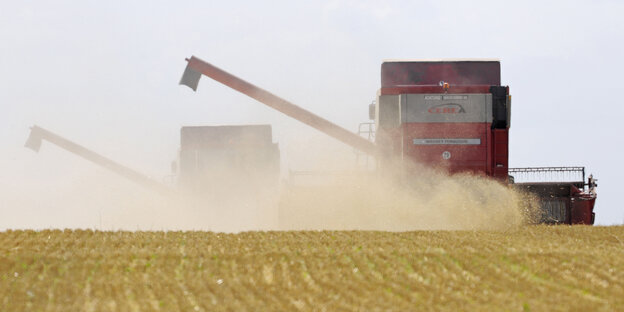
{"x": 531, "y": 268}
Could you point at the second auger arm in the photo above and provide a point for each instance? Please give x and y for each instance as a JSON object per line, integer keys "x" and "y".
{"x": 196, "y": 67}
{"x": 38, "y": 134}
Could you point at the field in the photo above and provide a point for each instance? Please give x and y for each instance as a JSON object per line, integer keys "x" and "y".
{"x": 535, "y": 268}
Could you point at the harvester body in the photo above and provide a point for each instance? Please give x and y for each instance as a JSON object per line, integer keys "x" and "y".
{"x": 452, "y": 115}
{"x": 220, "y": 159}
{"x": 448, "y": 114}
{"x": 455, "y": 115}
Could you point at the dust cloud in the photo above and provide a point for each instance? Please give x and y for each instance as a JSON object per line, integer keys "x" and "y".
{"x": 331, "y": 194}
{"x": 422, "y": 199}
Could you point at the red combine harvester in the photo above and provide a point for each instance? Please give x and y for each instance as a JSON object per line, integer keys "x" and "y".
{"x": 448, "y": 114}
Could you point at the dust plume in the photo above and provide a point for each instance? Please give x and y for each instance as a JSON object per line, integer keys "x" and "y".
{"x": 397, "y": 196}
{"x": 332, "y": 195}
{"x": 425, "y": 200}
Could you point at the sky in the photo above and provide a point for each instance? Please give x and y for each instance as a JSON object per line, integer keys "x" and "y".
{"x": 105, "y": 74}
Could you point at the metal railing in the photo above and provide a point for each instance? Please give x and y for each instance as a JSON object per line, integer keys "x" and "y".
{"x": 367, "y": 131}
{"x": 548, "y": 174}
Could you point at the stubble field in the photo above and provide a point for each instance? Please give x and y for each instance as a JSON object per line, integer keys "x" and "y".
{"x": 535, "y": 268}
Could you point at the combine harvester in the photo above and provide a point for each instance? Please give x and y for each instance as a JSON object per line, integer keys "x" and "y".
{"x": 451, "y": 115}
{"x": 212, "y": 159}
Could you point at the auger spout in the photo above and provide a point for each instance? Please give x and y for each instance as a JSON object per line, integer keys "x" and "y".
{"x": 196, "y": 67}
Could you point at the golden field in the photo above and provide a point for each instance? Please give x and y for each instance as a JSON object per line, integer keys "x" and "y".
{"x": 538, "y": 268}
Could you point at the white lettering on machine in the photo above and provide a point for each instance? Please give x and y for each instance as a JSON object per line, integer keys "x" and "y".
{"x": 447, "y": 141}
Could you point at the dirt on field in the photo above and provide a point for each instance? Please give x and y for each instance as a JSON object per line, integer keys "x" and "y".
{"x": 539, "y": 268}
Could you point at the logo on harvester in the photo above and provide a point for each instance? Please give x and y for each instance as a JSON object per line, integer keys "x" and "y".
{"x": 450, "y": 108}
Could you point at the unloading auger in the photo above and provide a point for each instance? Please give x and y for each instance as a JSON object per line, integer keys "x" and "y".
{"x": 38, "y": 134}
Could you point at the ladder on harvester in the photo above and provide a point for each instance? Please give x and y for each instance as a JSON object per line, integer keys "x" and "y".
{"x": 363, "y": 160}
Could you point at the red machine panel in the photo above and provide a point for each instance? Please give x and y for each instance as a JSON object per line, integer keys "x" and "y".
{"x": 446, "y": 130}
{"x": 456, "y": 147}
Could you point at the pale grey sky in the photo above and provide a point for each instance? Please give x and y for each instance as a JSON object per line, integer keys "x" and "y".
{"x": 105, "y": 74}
